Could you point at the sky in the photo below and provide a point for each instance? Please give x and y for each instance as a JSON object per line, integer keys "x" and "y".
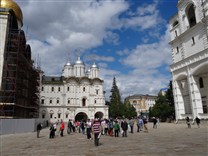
{"x": 127, "y": 39}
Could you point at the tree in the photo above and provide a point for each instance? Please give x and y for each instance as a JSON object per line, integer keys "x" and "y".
{"x": 164, "y": 107}
{"x": 128, "y": 110}
{"x": 115, "y": 109}
{"x": 170, "y": 98}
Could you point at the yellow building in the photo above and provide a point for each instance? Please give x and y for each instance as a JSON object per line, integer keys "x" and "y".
{"x": 142, "y": 103}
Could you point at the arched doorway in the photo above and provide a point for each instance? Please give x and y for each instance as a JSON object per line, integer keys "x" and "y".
{"x": 81, "y": 116}
{"x": 99, "y": 115}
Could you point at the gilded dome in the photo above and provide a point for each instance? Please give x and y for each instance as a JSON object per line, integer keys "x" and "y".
{"x": 10, "y": 4}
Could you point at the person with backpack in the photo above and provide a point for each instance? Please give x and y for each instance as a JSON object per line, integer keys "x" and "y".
{"x": 116, "y": 128}
{"x": 110, "y": 127}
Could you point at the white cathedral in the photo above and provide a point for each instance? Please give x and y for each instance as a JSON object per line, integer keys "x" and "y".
{"x": 76, "y": 95}
{"x": 189, "y": 42}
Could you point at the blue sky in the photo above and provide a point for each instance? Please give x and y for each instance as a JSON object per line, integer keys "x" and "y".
{"x": 127, "y": 39}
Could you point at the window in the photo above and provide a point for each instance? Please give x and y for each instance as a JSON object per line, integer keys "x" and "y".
{"x": 42, "y": 101}
{"x": 176, "y": 33}
{"x": 50, "y": 101}
{"x": 193, "y": 41}
{"x": 51, "y": 116}
{"x": 83, "y": 89}
{"x": 201, "y": 83}
{"x": 52, "y": 89}
{"x": 57, "y": 101}
{"x": 95, "y": 101}
{"x": 43, "y": 116}
{"x": 67, "y": 115}
{"x": 83, "y": 102}
{"x": 59, "y": 89}
{"x": 175, "y": 23}
{"x": 68, "y": 101}
{"x": 42, "y": 89}
{"x": 59, "y": 115}
{"x": 67, "y": 88}
{"x": 177, "y": 50}
{"x": 97, "y": 91}
{"x": 191, "y": 16}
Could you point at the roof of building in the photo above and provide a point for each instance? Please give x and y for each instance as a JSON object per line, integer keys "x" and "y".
{"x": 10, "y": 4}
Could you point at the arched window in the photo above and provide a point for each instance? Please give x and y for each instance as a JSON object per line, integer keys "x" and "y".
{"x": 83, "y": 89}
{"x": 201, "y": 83}
{"x": 191, "y": 15}
{"x": 175, "y": 23}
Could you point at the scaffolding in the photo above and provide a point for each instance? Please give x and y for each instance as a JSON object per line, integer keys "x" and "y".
{"x": 18, "y": 78}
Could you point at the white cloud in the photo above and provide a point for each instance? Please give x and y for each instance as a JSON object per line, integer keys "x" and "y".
{"x": 58, "y": 28}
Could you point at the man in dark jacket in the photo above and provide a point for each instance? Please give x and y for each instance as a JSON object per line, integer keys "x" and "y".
{"x": 39, "y": 127}
{"x": 124, "y": 126}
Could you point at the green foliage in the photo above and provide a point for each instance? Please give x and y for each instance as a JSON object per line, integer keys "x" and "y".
{"x": 164, "y": 107}
{"x": 116, "y": 107}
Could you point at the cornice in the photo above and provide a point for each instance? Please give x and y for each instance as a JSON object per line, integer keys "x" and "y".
{"x": 189, "y": 60}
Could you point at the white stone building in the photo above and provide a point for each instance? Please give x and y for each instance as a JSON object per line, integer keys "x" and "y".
{"x": 189, "y": 42}
{"x": 75, "y": 95}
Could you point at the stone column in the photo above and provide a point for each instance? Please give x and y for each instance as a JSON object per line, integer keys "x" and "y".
{"x": 195, "y": 96}
{"x": 179, "y": 103}
{"x": 197, "y": 101}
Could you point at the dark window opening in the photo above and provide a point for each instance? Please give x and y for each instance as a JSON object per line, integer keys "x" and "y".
{"x": 175, "y": 23}
{"x": 191, "y": 16}
{"x": 51, "y": 116}
{"x": 193, "y": 41}
{"x": 59, "y": 115}
{"x": 43, "y": 116}
{"x": 83, "y": 102}
{"x": 201, "y": 83}
{"x": 52, "y": 89}
{"x": 176, "y": 33}
{"x": 177, "y": 50}
{"x": 42, "y": 101}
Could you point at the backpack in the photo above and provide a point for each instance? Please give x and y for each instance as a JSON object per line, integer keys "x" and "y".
{"x": 111, "y": 125}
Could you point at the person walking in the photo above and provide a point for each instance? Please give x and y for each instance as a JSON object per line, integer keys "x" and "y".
{"x": 52, "y": 131}
{"x": 132, "y": 125}
{"x": 69, "y": 127}
{"x": 145, "y": 124}
{"x": 188, "y": 122}
{"x": 197, "y": 121}
{"x": 124, "y": 126}
{"x": 89, "y": 127}
{"x": 62, "y": 126}
{"x": 96, "y": 129}
{"x": 39, "y": 127}
{"x": 116, "y": 129}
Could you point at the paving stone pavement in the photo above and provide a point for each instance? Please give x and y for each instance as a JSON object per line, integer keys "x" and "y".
{"x": 168, "y": 139}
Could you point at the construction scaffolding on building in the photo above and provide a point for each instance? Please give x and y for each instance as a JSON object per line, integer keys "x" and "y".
{"x": 19, "y": 89}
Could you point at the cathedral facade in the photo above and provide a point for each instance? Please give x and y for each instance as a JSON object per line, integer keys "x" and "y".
{"x": 189, "y": 42}
{"x": 76, "y": 95}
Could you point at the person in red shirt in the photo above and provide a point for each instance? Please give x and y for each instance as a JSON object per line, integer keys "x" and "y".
{"x": 62, "y": 128}
{"x": 96, "y": 129}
